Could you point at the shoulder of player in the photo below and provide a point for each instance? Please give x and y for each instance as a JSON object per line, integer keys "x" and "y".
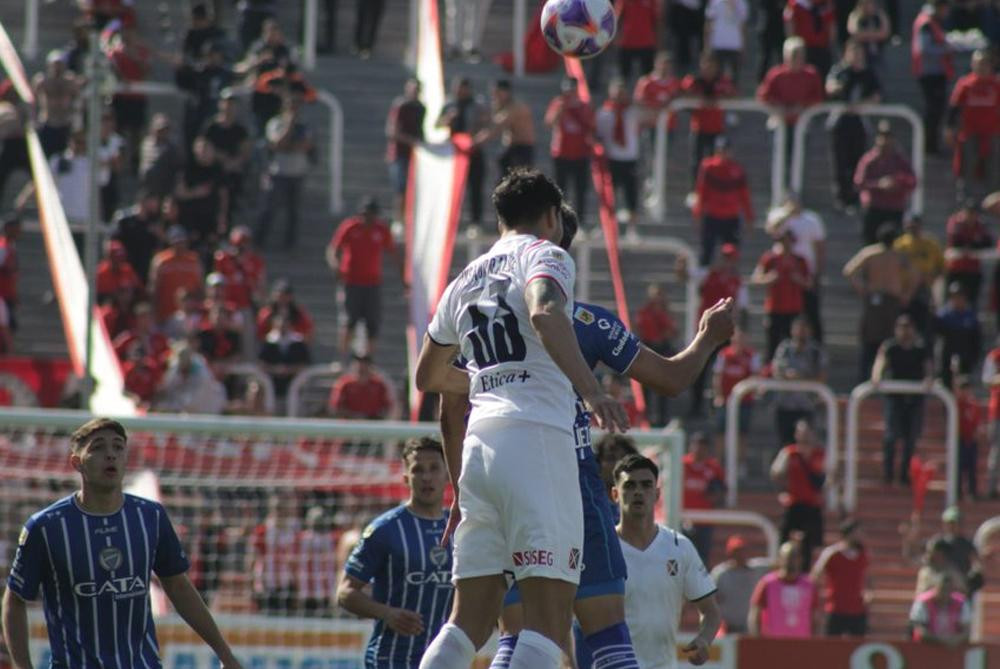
{"x": 51, "y": 513}
{"x": 382, "y": 524}
{"x": 675, "y": 541}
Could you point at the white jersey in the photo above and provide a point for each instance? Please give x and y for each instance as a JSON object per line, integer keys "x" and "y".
{"x": 660, "y": 579}
{"x": 484, "y": 312}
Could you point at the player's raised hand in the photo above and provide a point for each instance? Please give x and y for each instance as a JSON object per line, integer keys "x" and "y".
{"x": 718, "y": 322}
{"x": 697, "y": 651}
{"x": 608, "y": 412}
{"x": 402, "y": 621}
{"x": 454, "y": 518}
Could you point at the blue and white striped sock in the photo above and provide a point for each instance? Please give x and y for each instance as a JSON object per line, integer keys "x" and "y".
{"x": 611, "y": 648}
{"x": 505, "y": 648}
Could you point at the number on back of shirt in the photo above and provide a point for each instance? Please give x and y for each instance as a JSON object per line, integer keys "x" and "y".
{"x": 495, "y": 339}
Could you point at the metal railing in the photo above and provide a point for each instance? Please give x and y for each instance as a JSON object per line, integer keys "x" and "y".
{"x": 864, "y": 390}
{"x": 780, "y": 385}
{"x": 253, "y": 370}
{"x": 899, "y": 111}
{"x": 989, "y": 527}
{"x": 730, "y": 517}
{"x": 310, "y": 23}
{"x": 301, "y": 382}
{"x": 29, "y": 41}
{"x": 658, "y": 204}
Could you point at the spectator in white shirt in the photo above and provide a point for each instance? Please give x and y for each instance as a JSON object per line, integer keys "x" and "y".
{"x": 618, "y": 123}
{"x": 71, "y": 172}
{"x": 725, "y": 34}
{"x": 809, "y": 241}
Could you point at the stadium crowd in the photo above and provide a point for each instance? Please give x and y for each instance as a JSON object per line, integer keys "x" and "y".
{"x": 187, "y": 299}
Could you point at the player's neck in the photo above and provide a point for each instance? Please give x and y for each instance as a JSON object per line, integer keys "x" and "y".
{"x": 100, "y": 501}
{"x": 639, "y": 532}
{"x": 427, "y": 511}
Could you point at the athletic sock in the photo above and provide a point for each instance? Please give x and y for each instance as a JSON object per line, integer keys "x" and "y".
{"x": 451, "y": 649}
{"x": 534, "y": 651}
{"x": 505, "y": 648}
{"x": 612, "y": 647}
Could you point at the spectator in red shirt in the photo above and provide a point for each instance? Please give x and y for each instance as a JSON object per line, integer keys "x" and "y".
{"x": 219, "y": 340}
{"x": 657, "y": 329}
{"x": 843, "y": 569}
{"x": 653, "y": 93}
{"x": 734, "y": 363}
{"x": 283, "y": 303}
{"x": 130, "y": 60}
{"x": 966, "y": 235}
{"x": 638, "y": 22}
{"x": 816, "y": 23}
{"x": 355, "y": 256}
{"x": 974, "y": 124}
{"x": 141, "y": 340}
{"x": 404, "y": 129}
{"x": 884, "y": 179}
{"x": 970, "y": 427}
{"x": 572, "y": 123}
{"x": 786, "y": 276}
{"x": 361, "y": 393}
{"x": 721, "y": 195}
{"x": 115, "y": 272}
{"x": 243, "y": 269}
{"x": 704, "y": 486}
{"x": 9, "y": 266}
{"x": 800, "y": 471}
{"x": 707, "y": 120}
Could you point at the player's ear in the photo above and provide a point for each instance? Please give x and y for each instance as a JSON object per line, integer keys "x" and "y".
{"x": 75, "y": 462}
{"x": 614, "y": 494}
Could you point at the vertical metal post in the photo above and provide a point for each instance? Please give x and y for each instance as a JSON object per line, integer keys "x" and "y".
{"x": 518, "y": 31}
{"x": 414, "y": 34}
{"x": 583, "y": 271}
{"x": 94, "y": 212}
{"x": 310, "y": 19}
{"x": 30, "y": 44}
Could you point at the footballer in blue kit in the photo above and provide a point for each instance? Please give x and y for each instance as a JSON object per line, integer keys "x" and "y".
{"x": 401, "y": 556}
{"x": 603, "y": 338}
{"x": 92, "y": 555}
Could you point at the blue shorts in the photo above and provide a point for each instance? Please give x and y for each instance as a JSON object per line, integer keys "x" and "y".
{"x": 604, "y": 569}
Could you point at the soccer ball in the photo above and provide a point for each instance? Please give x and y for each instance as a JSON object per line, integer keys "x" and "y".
{"x": 578, "y": 28}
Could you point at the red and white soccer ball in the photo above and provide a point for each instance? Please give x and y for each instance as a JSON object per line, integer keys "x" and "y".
{"x": 579, "y": 28}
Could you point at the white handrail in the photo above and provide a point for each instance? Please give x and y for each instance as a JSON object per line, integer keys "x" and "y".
{"x": 671, "y": 461}
{"x": 867, "y": 388}
{"x": 29, "y": 46}
{"x": 517, "y": 48}
{"x": 900, "y": 111}
{"x": 989, "y": 527}
{"x": 780, "y": 385}
{"x": 730, "y": 517}
{"x": 310, "y": 21}
{"x": 254, "y": 370}
{"x": 658, "y": 204}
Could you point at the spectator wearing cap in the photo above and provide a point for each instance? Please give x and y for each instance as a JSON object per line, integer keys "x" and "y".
{"x": 842, "y": 569}
{"x": 704, "y": 488}
{"x": 512, "y": 121}
{"x": 114, "y": 272}
{"x": 707, "y": 119}
{"x": 931, "y": 57}
{"x": 657, "y": 329}
{"x": 360, "y": 393}
{"x": 798, "y": 358}
{"x": 966, "y": 235}
{"x": 572, "y": 123}
{"x": 942, "y": 615}
{"x": 725, "y": 34}
{"x": 617, "y": 128}
{"x": 735, "y": 579}
{"x": 904, "y": 357}
{"x": 927, "y": 261}
{"x": 974, "y": 126}
{"x": 815, "y": 22}
{"x": 159, "y": 158}
{"x": 959, "y": 335}
{"x": 852, "y": 81}
{"x": 202, "y": 80}
{"x": 355, "y": 257}
{"x": 230, "y": 141}
{"x": 464, "y": 113}
{"x": 283, "y": 303}
{"x": 202, "y": 30}
{"x": 809, "y": 241}
{"x": 722, "y": 194}
{"x": 56, "y": 91}
{"x": 638, "y": 28}
{"x": 786, "y": 276}
{"x": 799, "y": 470}
{"x": 283, "y": 354}
{"x": 734, "y": 363}
{"x": 171, "y": 269}
{"x": 292, "y": 145}
{"x": 885, "y": 180}
{"x": 971, "y": 420}
{"x": 404, "y": 130}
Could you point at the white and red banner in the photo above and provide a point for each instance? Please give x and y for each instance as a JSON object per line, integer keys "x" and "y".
{"x": 68, "y": 277}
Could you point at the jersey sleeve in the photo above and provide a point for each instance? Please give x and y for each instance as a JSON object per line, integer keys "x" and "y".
{"x": 548, "y": 261}
{"x": 368, "y": 557}
{"x": 442, "y": 330}
{"x": 171, "y": 559}
{"x": 30, "y": 562}
{"x": 697, "y": 582}
{"x": 618, "y": 346}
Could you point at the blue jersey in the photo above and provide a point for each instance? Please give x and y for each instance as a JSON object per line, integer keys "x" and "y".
{"x": 401, "y": 555}
{"x": 94, "y": 571}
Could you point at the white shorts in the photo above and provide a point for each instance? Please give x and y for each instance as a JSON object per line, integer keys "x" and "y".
{"x": 520, "y": 502}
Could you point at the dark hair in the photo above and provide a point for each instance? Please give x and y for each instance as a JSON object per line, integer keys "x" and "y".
{"x": 610, "y": 441}
{"x": 82, "y": 434}
{"x": 886, "y": 234}
{"x": 570, "y": 224}
{"x": 503, "y": 84}
{"x": 524, "y": 196}
{"x": 636, "y": 462}
{"x": 848, "y": 525}
{"x": 419, "y": 444}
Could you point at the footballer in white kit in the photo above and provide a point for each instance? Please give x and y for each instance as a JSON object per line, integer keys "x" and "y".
{"x": 508, "y": 314}
{"x": 664, "y": 571}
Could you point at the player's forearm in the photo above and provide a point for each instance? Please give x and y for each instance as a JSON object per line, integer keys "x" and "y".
{"x": 361, "y": 604}
{"x": 711, "y": 619}
{"x": 15, "y": 630}
{"x": 453, "y": 409}
{"x": 191, "y": 608}
{"x": 671, "y": 376}
{"x": 753, "y": 621}
{"x": 557, "y": 336}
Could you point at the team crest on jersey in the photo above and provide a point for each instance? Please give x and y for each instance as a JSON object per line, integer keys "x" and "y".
{"x": 438, "y": 556}
{"x": 368, "y": 531}
{"x": 110, "y": 558}
{"x": 583, "y": 315}
{"x": 672, "y": 567}
{"x": 23, "y": 537}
